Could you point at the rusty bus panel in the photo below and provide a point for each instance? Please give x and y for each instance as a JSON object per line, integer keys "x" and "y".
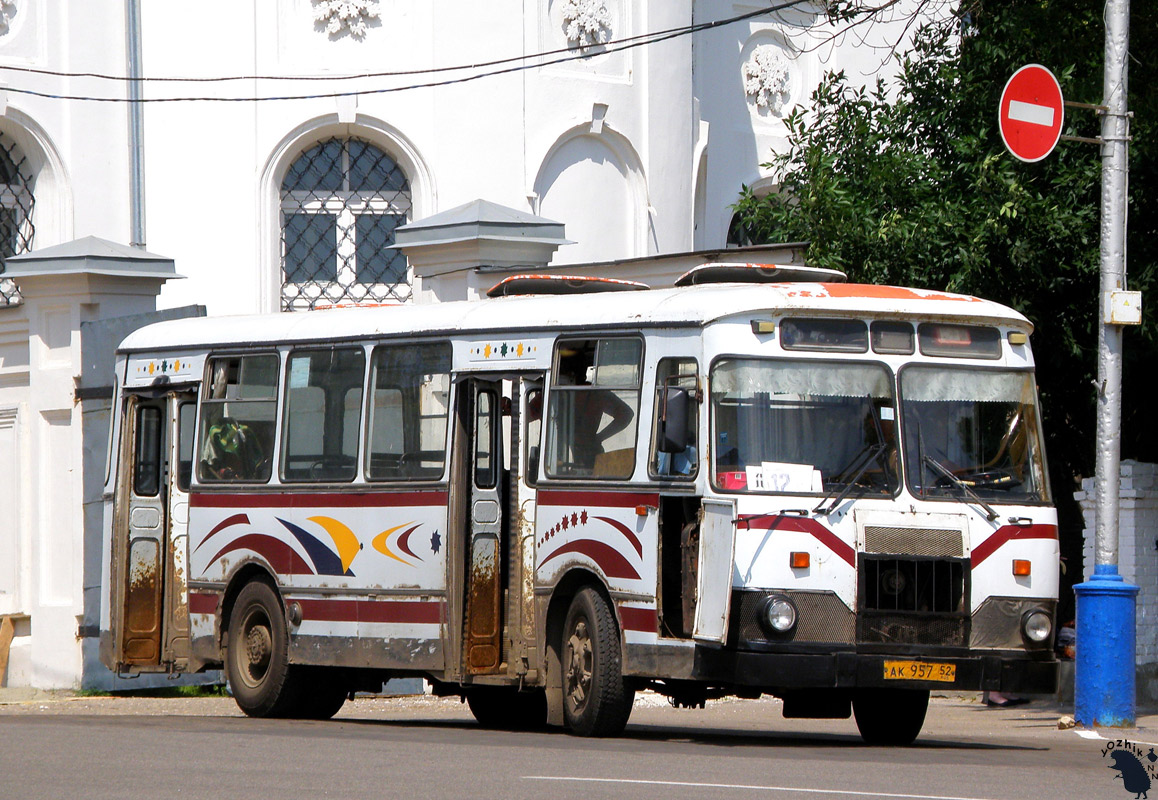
{"x": 142, "y": 638}
{"x": 484, "y": 579}
{"x": 483, "y": 606}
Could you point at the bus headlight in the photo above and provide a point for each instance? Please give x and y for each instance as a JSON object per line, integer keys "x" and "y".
{"x": 1036, "y": 626}
{"x": 778, "y": 614}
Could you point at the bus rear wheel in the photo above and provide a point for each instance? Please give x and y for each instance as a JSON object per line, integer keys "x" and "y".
{"x": 257, "y": 659}
{"x": 596, "y": 699}
{"x": 890, "y": 716}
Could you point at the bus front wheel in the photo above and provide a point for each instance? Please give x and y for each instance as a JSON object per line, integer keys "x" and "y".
{"x": 890, "y": 716}
{"x": 257, "y": 660}
{"x": 596, "y": 699}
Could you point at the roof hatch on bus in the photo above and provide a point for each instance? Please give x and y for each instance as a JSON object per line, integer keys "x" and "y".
{"x": 758, "y": 273}
{"x": 561, "y": 284}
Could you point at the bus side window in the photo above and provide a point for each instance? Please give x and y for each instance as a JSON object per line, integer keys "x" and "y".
{"x": 533, "y": 427}
{"x": 238, "y": 408}
{"x": 322, "y": 414}
{"x": 674, "y": 446}
{"x": 593, "y": 407}
{"x": 186, "y": 416}
{"x": 409, "y": 406}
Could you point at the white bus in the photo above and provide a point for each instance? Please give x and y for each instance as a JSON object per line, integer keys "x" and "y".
{"x": 762, "y": 480}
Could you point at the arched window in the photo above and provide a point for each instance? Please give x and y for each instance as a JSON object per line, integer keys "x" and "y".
{"x": 16, "y": 201}
{"x": 341, "y": 200}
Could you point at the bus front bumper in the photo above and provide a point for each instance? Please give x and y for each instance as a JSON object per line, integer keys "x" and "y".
{"x": 847, "y": 670}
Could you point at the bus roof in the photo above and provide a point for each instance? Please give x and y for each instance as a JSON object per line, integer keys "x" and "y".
{"x": 677, "y": 307}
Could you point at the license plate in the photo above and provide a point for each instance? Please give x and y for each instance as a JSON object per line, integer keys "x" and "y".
{"x": 920, "y": 671}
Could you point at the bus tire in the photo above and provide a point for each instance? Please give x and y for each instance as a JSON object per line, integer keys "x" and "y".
{"x": 890, "y": 716}
{"x": 596, "y": 699}
{"x": 257, "y": 659}
{"x": 506, "y": 708}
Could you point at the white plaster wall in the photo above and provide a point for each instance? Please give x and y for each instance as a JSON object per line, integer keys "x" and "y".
{"x": 682, "y": 132}
{"x": 15, "y": 491}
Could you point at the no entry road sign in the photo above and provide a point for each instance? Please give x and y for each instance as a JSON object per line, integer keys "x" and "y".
{"x": 1031, "y": 113}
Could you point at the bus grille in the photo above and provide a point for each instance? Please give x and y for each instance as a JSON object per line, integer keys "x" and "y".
{"x": 913, "y": 600}
{"x": 913, "y": 541}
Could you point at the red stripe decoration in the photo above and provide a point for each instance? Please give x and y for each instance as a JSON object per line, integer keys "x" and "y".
{"x": 626, "y": 531}
{"x": 283, "y": 558}
{"x": 562, "y": 497}
{"x": 433, "y": 499}
{"x": 203, "y": 603}
{"x": 645, "y": 620}
{"x": 425, "y": 612}
{"x": 1007, "y": 533}
{"x": 785, "y": 522}
{"x": 228, "y": 522}
{"x": 403, "y": 542}
{"x": 610, "y": 560}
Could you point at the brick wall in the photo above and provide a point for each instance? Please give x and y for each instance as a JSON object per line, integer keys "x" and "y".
{"x": 1137, "y": 546}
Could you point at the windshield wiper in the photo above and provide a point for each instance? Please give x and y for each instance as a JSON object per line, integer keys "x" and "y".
{"x": 960, "y": 484}
{"x": 861, "y": 462}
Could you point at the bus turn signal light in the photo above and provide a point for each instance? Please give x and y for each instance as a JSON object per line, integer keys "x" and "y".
{"x": 1020, "y": 567}
{"x": 800, "y": 560}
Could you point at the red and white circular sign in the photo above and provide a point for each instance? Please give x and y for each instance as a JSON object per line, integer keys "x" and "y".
{"x": 1031, "y": 113}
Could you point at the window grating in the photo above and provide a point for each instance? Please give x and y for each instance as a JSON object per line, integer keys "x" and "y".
{"x": 341, "y": 201}
{"x": 16, "y": 202}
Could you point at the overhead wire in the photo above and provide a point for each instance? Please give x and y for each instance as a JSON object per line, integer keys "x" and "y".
{"x": 493, "y": 68}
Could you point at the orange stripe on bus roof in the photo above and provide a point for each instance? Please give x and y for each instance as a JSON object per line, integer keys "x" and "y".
{"x": 864, "y": 290}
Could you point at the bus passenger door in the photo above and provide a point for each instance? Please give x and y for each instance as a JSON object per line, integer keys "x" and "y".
{"x": 150, "y": 532}
{"x": 484, "y": 579}
{"x": 714, "y": 582}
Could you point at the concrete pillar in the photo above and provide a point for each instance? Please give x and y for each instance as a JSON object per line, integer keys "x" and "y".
{"x": 63, "y": 287}
{"x": 460, "y": 253}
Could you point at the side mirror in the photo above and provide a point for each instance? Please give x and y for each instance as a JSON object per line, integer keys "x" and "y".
{"x": 672, "y": 428}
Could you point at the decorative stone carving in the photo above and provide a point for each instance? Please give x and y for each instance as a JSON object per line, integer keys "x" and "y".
{"x": 586, "y": 22}
{"x": 767, "y": 78}
{"x": 344, "y": 15}
{"x": 7, "y": 11}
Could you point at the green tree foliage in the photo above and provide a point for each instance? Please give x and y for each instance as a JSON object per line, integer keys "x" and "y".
{"x": 907, "y": 182}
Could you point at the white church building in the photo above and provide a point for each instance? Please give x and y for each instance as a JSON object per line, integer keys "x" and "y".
{"x": 270, "y": 151}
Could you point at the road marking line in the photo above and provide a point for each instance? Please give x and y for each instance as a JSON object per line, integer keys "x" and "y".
{"x": 1087, "y": 734}
{"x": 1031, "y": 113}
{"x": 746, "y": 787}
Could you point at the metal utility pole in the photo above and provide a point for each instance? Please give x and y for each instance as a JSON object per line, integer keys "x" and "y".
{"x": 1104, "y": 677}
{"x": 136, "y": 125}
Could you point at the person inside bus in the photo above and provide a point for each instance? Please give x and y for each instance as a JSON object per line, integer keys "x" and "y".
{"x": 589, "y": 406}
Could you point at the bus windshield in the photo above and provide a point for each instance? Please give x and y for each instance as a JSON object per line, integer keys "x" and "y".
{"x": 803, "y": 427}
{"x": 972, "y": 431}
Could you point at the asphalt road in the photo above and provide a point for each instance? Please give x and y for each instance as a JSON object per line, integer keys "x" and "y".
{"x": 425, "y": 747}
